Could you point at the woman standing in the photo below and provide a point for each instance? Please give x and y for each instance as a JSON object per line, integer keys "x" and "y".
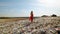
{"x": 31, "y": 16}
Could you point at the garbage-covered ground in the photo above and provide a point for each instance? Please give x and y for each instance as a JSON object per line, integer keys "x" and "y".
{"x": 42, "y": 25}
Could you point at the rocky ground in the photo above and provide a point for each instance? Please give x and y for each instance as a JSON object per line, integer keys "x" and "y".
{"x": 39, "y": 26}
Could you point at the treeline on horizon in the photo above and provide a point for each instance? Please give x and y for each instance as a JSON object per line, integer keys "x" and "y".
{"x": 14, "y": 17}
{"x": 27, "y": 17}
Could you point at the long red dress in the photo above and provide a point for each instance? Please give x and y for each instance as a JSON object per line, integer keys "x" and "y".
{"x": 31, "y": 16}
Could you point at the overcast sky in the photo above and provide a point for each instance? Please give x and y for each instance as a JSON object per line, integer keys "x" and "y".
{"x": 20, "y": 8}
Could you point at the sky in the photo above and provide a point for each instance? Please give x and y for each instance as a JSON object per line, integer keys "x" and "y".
{"x": 22, "y": 8}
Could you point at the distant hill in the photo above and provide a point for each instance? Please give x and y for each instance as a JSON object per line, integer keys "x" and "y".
{"x": 14, "y": 17}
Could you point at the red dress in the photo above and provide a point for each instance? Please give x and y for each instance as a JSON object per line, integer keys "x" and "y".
{"x": 31, "y": 17}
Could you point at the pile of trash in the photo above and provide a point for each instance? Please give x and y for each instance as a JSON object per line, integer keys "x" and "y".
{"x": 26, "y": 27}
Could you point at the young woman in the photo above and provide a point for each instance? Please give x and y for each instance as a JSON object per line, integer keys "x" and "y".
{"x": 31, "y": 16}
